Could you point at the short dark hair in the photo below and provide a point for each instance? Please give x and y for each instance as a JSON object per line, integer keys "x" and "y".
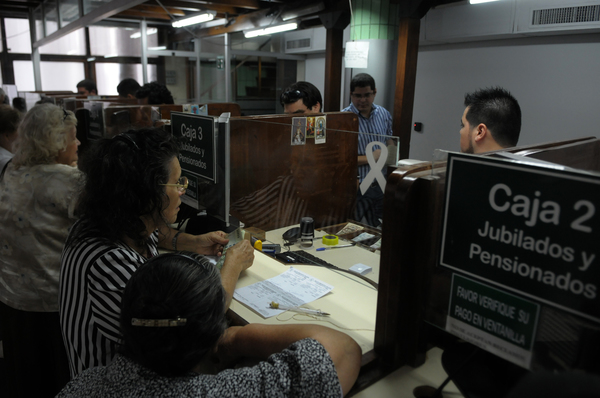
{"x": 309, "y": 93}
{"x": 123, "y": 182}
{"x": 171, "y": 286}
{"x": 362, "y": 80}
{"x": 128, "y": 86}
{"x": 156, "y": 93}
{"x": 10, "y": 118}
{"x": 499, "y": 111}
{"x": 88, "y": 84}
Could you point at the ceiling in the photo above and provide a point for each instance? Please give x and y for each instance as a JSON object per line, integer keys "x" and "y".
{"x": 153, "y": 11}
{"x": 231, "y": 11}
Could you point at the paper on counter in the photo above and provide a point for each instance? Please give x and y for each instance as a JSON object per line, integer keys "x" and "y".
{"x": 363, "y": 236}
{"x": 291, "y": 288}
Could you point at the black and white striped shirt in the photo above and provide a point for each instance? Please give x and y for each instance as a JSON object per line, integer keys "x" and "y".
{"x": 93, "y": 275}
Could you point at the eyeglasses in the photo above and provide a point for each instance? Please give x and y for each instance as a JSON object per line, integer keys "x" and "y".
{"x": 361, "y": 96}
{"x": 291, "y": 96}
{"x": 181, "y": 185}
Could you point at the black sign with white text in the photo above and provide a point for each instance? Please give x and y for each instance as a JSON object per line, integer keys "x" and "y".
{"x": 529, "y": 229}
{"x": 197, "y": 134}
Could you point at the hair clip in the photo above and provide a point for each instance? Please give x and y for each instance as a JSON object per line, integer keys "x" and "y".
{"x": 65, "y": 115}
{"x": 159, "y": 323}
{"x": 126, "y": 138}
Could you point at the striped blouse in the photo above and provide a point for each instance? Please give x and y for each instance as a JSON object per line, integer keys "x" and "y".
{"x": 379, "y": 123}
{"x": 93, "y": 275}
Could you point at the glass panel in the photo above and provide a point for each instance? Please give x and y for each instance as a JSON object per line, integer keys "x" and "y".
{"x": 24, "y": 75}
{"x": 70, "y": 74}
{"x": 109, "y": 75}
{"x": 18, "y": 40}
{"x": 255, "y": 77}
{"x": 117, "y": 41}
{"x": 180, "y": 78}
{"x": 301, "y": 166}
{"x": 90, "y": 5}
{"x": 39, "y": 23}
{"x": 50, "y": 17}
{"x": 69, "y": 11}
{"x": 212, "y": 69}
{"x": 71, "y": 44}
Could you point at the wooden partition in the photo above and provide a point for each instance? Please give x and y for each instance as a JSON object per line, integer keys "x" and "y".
{"x": 275, "y": 183}
{"x": 413, "y": 290}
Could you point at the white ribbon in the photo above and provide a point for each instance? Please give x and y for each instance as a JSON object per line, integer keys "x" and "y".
{"x": 376, "y": 167}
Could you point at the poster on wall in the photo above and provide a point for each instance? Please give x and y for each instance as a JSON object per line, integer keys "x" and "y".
{"x": 357, "y": 54}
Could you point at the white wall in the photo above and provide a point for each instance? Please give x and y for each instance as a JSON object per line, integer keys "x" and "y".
{"x": 315, "y": 71}
{"x": 556, "y": 80}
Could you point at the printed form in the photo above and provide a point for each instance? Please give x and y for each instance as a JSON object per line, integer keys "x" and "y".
{"x": 292, "y": 288}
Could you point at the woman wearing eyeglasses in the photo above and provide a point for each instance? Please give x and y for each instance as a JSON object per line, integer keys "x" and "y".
{"x": 38, "y": 191}
{"x": 132, "y": 193}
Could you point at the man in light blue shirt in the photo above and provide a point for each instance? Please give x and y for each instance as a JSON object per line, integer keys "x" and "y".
{"x": 374, "y": 121}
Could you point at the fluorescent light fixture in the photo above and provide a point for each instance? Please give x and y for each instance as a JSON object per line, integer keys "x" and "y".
{"x": 480, "y": 1}
{"x": 90, "y": 59}
{"x": 149, "y": 31}
{"x": 158, "y": 48}
{"x": 111, "y": 55}
{"x": 196, "y": 19}
{"x": 270, "y": 30}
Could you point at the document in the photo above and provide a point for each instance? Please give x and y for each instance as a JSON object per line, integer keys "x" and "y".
{"x": 292, "y": 288}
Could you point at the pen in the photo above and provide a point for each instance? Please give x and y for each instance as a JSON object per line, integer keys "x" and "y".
{"x": 278, "y": 306}
{"x": 320, "y": 249}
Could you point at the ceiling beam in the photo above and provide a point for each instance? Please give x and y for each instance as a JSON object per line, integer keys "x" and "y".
{"x": 242, "y": 22}
{"x": 247, "y": 4}
{"x": 16, "y": 3}
{"x": 157, "y": 9}
{"x": 197, "y": 7}
{"x": 100, "y": 13}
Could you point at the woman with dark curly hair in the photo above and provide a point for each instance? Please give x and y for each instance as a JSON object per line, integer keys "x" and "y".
{"x": 173, "y": 322}
{"x": 131, "y": 195}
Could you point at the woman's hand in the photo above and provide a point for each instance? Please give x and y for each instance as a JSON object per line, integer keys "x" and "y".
{"x": 240, "y": 256}
{"x": 212, "y": 243}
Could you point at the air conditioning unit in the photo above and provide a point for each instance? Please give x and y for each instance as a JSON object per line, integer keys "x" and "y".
{"x": 557, "y": 16}
{"x": 460, "y": 22}
{"x": 305, "y": 41}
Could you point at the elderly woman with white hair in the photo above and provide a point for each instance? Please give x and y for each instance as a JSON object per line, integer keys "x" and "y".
{"x": 38, "y": 192}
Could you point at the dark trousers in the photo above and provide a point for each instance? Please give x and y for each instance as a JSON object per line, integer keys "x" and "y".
{"x": 370, "y": 205}
{"x": 35, "y": 358}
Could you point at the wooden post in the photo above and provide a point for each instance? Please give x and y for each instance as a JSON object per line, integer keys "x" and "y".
{"x": 406, "y": 74}
{"x": 333, "y": 70}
